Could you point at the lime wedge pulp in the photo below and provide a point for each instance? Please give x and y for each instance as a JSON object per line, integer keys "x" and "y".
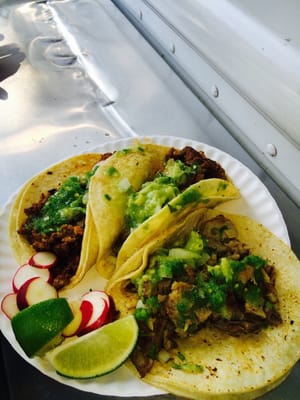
{"x": 96, "y": 353}
{"x": 37, "y": 325}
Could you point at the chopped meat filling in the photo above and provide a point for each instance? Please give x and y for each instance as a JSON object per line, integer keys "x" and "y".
{"x": 211, "y": 280}
{"x": 208, "y": 168}
{"x": 66, "y": 244}
{"x": 56, "y": 223}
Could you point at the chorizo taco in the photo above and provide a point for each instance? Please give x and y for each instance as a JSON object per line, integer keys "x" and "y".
{"x": 130, "y": 202}
{"x": 217, "y": 300}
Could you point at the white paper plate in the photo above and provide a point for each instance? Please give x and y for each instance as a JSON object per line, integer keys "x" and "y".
{"x": 255, "y": 202}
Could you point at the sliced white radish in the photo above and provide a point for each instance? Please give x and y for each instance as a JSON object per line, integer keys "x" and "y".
{"x": 43, "y": 259}
{"x": 81, "y": 317}
{"x": 72, "y": 328}
{"x": 86, "y": 309}
{"x": 26, "y": 272}
{"x": 100, "y": 304}
{"x": 98, "y": 293}
{"x": 111, "y": 312}
{"x": 95, "y": 295}
{"x": 33, "y": 291}
{"x": 9, "y": 305}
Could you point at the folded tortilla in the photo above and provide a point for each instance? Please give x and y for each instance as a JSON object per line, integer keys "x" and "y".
{"x": 207, "y": 193}
{"x": 124, "y": 171}
{"x": 243, "y": 367}
{"x": 31, "y": 193}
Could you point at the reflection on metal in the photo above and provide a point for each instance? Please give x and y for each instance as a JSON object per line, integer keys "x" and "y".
{"x": 10, "y": 61}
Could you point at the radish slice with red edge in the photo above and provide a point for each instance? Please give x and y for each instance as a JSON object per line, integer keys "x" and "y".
{"x": 86, "y": 309}
{"x": 43, "y": 259}
{"x": 26, "y": 272}
{"x": 81, "y": 317}
{"x": 34, "y": 291}
{"x": 98, "y": 293}
{"x": 9, "y": 305}
{"x": 100, "y": 310}
{"x": 112, "y": 311}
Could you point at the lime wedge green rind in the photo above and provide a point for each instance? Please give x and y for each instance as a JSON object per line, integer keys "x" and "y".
{"x": 96, "y": 353}
{"x": 37, "y": 325}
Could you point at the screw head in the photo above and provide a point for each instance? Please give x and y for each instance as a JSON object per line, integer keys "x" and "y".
{"x": 271, "y": 150}
{"x": 215, "y": 91}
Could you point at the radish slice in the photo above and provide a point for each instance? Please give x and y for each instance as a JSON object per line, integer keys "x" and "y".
{"x": 82, "y": 313}
{"x": 33, "y": 291}
{"x": 112, "y": 311}
{"x": 26, "y": 272}
{"x": 77, "y": 322}
{"x": 43, "y": 259}
{"x": 100, "y": 310}
{"x": 86, "y": 309}
{"x": 98, "y": 293}
{"x": 9, "y": 305}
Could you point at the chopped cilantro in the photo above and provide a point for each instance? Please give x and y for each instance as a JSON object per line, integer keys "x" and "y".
{"x": 112, "y": 171}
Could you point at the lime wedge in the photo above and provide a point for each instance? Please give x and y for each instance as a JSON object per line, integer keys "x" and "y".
{"x": 96, "y": 353}
{"x": 38, "y": 325}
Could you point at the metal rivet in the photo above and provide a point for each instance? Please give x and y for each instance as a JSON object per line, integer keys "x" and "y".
{"x": 215, "y": 91}
{"x": 271, "y": 149}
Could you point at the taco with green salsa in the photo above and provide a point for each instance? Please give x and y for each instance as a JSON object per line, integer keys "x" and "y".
{"x": 118, "y": 176}
{"x": 50, "y": 213}
{"x": 130, "y": 209}
{"x": 217, "y": 300}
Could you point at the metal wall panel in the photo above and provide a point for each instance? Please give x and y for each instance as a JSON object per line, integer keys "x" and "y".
{"x": 244, "y": 65}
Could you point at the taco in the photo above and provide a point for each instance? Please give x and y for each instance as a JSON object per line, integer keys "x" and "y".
{"x": 125, "y": 171}
{"x": 49, "y": 214}
{"x": 217, "y": 300}
{"x": 128, "y": 203}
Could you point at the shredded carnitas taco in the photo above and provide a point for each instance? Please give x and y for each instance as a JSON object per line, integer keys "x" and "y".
{"x": 217, "y": 300}
{"x": 84, "y": 208}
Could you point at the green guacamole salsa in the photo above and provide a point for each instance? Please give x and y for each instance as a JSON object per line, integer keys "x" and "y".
{"x": 204, "y": 286}
{"x": 66, "y": 206}
{"x": 155, "y": 194}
